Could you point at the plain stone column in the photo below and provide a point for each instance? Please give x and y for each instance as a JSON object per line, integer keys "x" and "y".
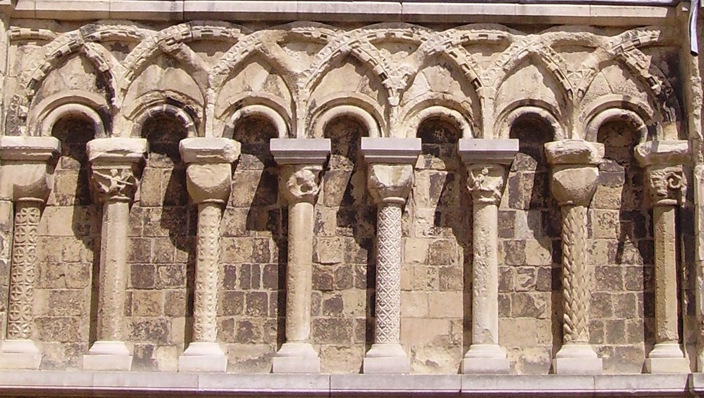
{"x": 301, "y": 162}
{"x": 487, "y": 162}
{"x": 390, "y": 164}
{"x": 667, "y": 185}
{"x": 209, "y": 180}
{"x": 575, "y": 172}
{"x": 26, "y": 178}
{"x": 114, "y": 169}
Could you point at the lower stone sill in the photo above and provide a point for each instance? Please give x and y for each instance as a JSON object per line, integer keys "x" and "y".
{"x": 58, "y": 383}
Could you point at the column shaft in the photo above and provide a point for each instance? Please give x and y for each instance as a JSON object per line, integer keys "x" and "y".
{"x": 299, "y": 271}
{"x": 24, "y": 258}
{"x": 575, "y": 275}
{"x": 388, "y": 274}
{"x": 207, "y": 273}
{"x": 113, "y": 275}
{"x": 485, "y": 288}
{"x": 665, "y": 274}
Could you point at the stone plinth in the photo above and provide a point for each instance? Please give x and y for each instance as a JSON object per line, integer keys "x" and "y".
{"x": 667, "y": 186}
{"x": 25, "y": 179}
{"x": 389, "y": 180}
{"x": 575, "y": 173}
{"x": 488, "y": 162}
{"x": 115, "y": 166}
{"x": 208, "y": 179}
{"x": 301, "y": 162}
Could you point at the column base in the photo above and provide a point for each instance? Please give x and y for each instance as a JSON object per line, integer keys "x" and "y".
{"x": 201, "y": 356}
{"x": 296, "y": 358}
{"x": 667, "y": 358}
{"x": 577, "y": 359}
{"x": 108, "y": 355}
{"x": 19, "y": 354}
{"x": 485, "y": 359}
{"x": 386, "y": 358}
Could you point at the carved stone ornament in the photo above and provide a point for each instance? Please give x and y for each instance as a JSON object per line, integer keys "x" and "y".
{"x": 300, "y": 183}
{"x": 390, "y": 183}
{"x": 27, "y": 166}
{"x": 667, "y": 185}
{"x": 209, "y": 183}
{"x": 486, "y": 182}
{"x": 114, "y": 183}
{"x": 575, "y": 170}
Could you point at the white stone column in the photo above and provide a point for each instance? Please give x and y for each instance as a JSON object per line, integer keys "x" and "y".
{"x": 114, "y": 169}
{"x": 488, "y": 162}
{"x": 575, "y": 171}
{"x": 390, "y": 163}
{"x": 209, "y": 178}
{"x": 26, "y": 178}
{"x": 667, "y": 185}
{"x": 301, "y": 162}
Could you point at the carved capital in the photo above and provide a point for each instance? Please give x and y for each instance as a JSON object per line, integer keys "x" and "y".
{"x": 114, "y": 183}
{"x": 27, "y": 167}
{"x": 300, "y": 183}
{"x": 574, "y": 170}
{"x": 667, "y": 185}
{"x": 486, "y": 182}
{"x": 390, "y": 183}
{"x": 209, "y": 183}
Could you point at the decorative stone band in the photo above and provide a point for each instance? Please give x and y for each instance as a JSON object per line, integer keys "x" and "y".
{"x": 487, "y": 162}
{"x": 209, "y": 172}
{"x": 663, "y": 161}
{"x": 114, "y": 165}
{"x": 27, "y": 167}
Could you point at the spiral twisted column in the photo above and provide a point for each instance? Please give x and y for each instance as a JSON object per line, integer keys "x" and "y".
{"x": 667, "y": 186}
{"x": 574, "y": 178}
{"x": 27, "y": 175}
{"x": 487, "y": 162}
{"x": 389, "y": 180}
{"x": 208, "y": 180}
{"x": 301, "y": 162}
{"x": 115, "y": 166}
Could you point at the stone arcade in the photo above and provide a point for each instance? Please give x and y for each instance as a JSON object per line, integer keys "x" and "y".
{"x": 199, "y": 197}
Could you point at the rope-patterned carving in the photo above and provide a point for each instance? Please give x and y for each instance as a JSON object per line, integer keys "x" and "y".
{"x": 388, "y": 274}
{"x": 206, "y": 289}
{"x": 24, "y": 259}
{"x": 575, "y": 275}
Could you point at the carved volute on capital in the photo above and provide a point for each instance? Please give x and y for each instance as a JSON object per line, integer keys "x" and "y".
{"x": 575, "y": 170}
{"x": 115, "y": 164}
{"x": 663, "y": 160}
{"x": 390, "y": 183}
{"x": 300, "y": 183}
{"x": 209, "y": 172}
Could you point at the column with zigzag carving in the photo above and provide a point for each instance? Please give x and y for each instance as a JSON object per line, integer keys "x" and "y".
{"x": 208, "y": 179}
{"x": 487, "y": 162}
{"x": 667, "y": 186}
{"x": 301, "y": 162}
{"x": 115, "y": 164}
{"x": 27, "y": 170}
{"x": 390, "y": 164}
{"x": 575, "y": 171}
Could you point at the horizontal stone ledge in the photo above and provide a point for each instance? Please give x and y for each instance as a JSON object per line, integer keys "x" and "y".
{"x": 82, "y": 383}
{"x": 586, "y": 12}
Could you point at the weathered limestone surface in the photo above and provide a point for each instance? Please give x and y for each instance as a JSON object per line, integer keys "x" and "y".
{"x": 284, "y": 257}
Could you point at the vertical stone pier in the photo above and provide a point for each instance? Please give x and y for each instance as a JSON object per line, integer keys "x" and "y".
{"x": 209, "y": 180}
{"x": 301, "y": 162}
{"x": 575, "y": 171}
{"x": 667, "y": 185}
{"x": 115, "y": 166}
{"x": 487, "y": 162}
{"x": 390, "y": 163}
{"x": 26, "y": 177}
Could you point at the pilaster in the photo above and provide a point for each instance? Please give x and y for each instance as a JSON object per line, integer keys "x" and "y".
{"x": 487, "y": 162}
{"x": 208, "y": 179}
{"x": 575, "y": 173}
{"x": 26, "y": 177}
{"x": 667, "y": 184}
{"x": 115, "y": 164}
{"x": 301, "y": 162}
{"x": 390, "y": 163}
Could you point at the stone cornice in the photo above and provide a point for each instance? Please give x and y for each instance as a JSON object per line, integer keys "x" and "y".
{"x": 391, "y": 150}
{"x": 586, "y": 12}
{"x": 209, "y": 150}
{"x": 487, "y": 151}
{"x": 300, "y": 151}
